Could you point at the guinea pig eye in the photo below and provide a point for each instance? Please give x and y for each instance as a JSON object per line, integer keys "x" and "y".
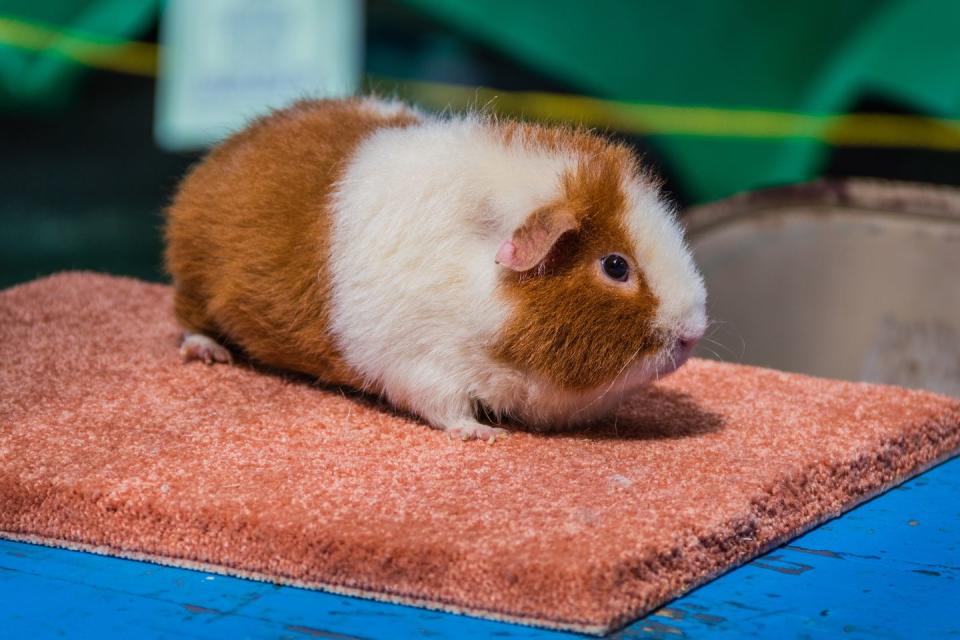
{"x": 615, "y": 267}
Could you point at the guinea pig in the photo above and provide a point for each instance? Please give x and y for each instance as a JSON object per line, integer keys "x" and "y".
{"x": 455, "y": 265}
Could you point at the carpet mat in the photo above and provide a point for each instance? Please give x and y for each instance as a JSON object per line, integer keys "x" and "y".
{"x": 109, "y": 443}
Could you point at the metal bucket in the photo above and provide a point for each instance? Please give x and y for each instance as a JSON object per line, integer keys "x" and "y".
{"x": 853, "y": 279}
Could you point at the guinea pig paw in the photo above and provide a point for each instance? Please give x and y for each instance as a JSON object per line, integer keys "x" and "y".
{"x": 476, "y": 431}
{"x": 196, "y": 346}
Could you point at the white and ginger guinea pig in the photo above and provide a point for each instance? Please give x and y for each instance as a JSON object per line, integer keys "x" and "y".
{"x": 455, "y": 265}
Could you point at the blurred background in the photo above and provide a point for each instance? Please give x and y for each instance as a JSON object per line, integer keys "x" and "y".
{"x": 104, "y": 104}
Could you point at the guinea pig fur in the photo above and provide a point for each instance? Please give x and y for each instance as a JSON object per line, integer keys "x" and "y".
{"x": 457, "y": 266}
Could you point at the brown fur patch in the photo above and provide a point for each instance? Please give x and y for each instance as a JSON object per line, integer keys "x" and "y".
{"x": 569, "y": 324}
{"x": 248, "y": 235}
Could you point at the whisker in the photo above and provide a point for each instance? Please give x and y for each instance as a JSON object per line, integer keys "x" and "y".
{"x": 718, "y": 344}
{"x": 715, "y": 354}
{"x": 712, "y": 328}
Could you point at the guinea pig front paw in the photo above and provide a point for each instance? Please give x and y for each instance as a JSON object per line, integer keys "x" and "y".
{"x": 475, "y": 431}
{"x": 196, "y": 346}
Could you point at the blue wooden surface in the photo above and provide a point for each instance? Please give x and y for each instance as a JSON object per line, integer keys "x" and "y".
{"x": 889, "y": 569}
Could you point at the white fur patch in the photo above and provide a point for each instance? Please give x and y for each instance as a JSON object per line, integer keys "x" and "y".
{"x": 666, "y": 263}
{"x": 389, "y": 108}
{"x": 419, "y": 216}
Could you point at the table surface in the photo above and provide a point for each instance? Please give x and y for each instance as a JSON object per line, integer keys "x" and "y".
{"x": 888, "y": 569}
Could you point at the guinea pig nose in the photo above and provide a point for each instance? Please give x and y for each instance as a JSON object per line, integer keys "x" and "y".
{"x": 687, "y": 342}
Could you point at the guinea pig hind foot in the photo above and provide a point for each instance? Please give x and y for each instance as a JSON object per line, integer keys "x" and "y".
{"x": 196, "y": 346}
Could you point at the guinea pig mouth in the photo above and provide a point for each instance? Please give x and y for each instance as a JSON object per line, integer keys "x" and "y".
{"x": 678, "y": 355}
{"x": 659, "y": 364}
{"x": 669, "y": 365}
{"x": 673, "y": 356}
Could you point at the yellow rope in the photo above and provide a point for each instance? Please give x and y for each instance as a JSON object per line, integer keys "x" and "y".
{"x": 879, "y": 130}
{"x": 139, "y": 58}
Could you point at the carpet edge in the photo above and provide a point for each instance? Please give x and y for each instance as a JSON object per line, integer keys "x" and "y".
{"x": 378, "y": 596}
{"x": 433, "y": 605}
{"x": 951, "y": 451}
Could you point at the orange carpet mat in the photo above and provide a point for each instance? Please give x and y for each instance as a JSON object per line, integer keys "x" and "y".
{"x": 109, "y": 443}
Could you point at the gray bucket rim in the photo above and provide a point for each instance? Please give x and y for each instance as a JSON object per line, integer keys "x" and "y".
{"x": 888, "y": 197}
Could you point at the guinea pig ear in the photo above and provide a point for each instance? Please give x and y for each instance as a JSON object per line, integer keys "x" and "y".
{"x": 532, "y": 241}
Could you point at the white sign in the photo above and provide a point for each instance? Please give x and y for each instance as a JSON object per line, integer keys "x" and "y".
{"x": 224, "y": 62}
